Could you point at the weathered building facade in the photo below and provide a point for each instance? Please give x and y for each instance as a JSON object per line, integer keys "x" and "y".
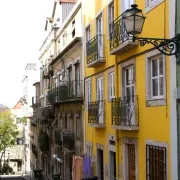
{"x": 66, "y": 93}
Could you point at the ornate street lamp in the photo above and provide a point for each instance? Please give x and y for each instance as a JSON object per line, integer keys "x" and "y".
{"x": 134, "y": 21}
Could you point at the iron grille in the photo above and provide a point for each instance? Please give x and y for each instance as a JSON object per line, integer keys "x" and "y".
{"x": 156, "y": 164}
{"x": 95, "y": 111}
{"x": 118, "y": 33}
{"x": 95, "y": 48}
{"x": 50, "y": 97}
{"x": 125, "y": 111}
{"x": 69, "y": 141}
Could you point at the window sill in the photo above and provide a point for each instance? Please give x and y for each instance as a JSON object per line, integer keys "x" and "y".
{"x": 155, "y": 102}
{"x": 153, "y": 5}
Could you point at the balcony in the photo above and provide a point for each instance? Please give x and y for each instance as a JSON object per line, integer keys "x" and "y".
{"x": 125, "y": 113}
{"x": 96, "y": 114}
{"x": 50, "y": 97}
{"x": 35, "y": 102}
{"x": 69, "y": 141}
{"x": 66, "y": 92}
{"x": 119, "y": 40}
{"x": 48, "y": 113}
{"x": 57, "y": 137}
{"x": 95, "y": 51}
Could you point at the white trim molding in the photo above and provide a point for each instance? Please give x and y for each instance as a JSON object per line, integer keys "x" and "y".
{"x": 172, "y": 85}
{"x": 99, "y": 147}
{"x": 127, "y": 141}
{"x": 122, "y": 67}
{"x": 160, "y": 144}
{"x": 149, "y": 100}
{"x": 151, "y": 5}
{"x": 111, "y": 148}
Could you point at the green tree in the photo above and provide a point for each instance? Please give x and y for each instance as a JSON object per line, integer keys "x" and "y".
{"x": 8, "y": 131}
{"x": 23, "y": 120}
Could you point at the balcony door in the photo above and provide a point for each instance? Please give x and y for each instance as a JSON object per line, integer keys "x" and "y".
{"x": 100, "y": 94}
{"x": 129, "y": 91}
{"x": 70, "y": 87}
{"x": 99, "y": 33}
{"x": 77, "y": 80}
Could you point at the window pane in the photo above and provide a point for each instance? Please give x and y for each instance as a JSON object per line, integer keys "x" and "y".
{"x": 161, "y": 86}
{"x": 127, "y": 76}
{"x": 161, "y": 66}
{"x": 128, "y": 91}
{"x": 154, "y": 68}
{"x": 155, "y": 87}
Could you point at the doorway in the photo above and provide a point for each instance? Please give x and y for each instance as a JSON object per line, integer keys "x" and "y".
{"x": 112, "y": 161}
{"x": 100, "y": 164}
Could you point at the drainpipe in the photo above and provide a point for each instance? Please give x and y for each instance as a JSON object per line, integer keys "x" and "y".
{"x": 177, "y": 29}
{"x": 83, "y": 76}
{"x": 116, "y": 2}
{"x": 117, "y": 131}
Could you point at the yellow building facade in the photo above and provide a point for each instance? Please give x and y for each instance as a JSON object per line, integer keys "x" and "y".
{"x": 128, "y": 93}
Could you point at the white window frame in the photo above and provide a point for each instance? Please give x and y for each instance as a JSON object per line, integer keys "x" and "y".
{"x": 111, "y": 85}
{"x": 127, "y": 141}
{"x": 89, "y": 149}
{"x": 99, "y": 16}
{"x": 88, "y": 92}
{"x": 123, "y": 66}
{"x": 160, "y": 144}
{"x": 156, "y": 77}
{"x": 88, "y": 33}
{"x": 109, "y": 17}
{"x": 151, "y": 5}
{"x": 122, "y": 3}
{"x": 128, "y": 85}
{"x": 100, "y": 94}
{"x": 156, "y": 100}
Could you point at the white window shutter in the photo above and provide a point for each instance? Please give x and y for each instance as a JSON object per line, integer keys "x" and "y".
{"x": 109, "y": 87}
{"x": 146, "y": 3}
{"x": 123, "y": 81}
{"x": 102, "y": 88}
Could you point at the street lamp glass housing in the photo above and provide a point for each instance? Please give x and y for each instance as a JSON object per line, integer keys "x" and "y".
{"x": 133, "y": 20}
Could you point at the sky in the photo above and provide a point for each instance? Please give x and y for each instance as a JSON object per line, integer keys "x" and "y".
{"x": 21, "y": 35}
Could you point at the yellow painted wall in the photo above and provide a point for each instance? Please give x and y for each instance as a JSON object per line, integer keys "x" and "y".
{"x": 154, "y": 122}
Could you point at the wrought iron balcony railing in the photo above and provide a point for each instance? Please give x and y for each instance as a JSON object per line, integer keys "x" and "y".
{"x": 118, "y": 34}
{"x": 96, "y": 113}
{"x": 125, "y": 113}
{"x": 50, "y": 97}
{"x": 58, "y": 137}
{"x": 95, "y": 50}
{"x": 67, "y": 91}
{"x": 35, "y": 101}
{"x": 68, "y": 141}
